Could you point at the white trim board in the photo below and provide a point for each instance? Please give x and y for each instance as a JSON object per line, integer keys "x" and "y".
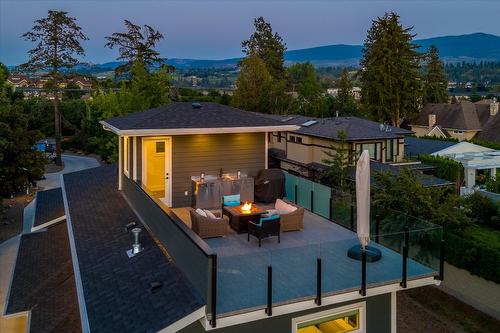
{"x": 185, "y": 321}
{"x": 48, "y": 224}
{"x": 187, "y": 131}
{"x": 310, "y": 304}
{"x": 76, "y": 266}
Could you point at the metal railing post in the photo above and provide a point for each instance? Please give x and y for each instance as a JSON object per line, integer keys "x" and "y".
{"x": 312, "y": 201}
{"x": 295, "y": 196}
{"x": 352, "y": 217}
{"x": 440, "y": 277}
{"x": 318, "y": 282}
{"x": 377, "y": 228}
{"x": 362, "y": 291}
{"x": 213, "y": 321}
{"x": 330, "y": 209}
{"x": 269, "y": 309}
{"x": 404, "y": 276}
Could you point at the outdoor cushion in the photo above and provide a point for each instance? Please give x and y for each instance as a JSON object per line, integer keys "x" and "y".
{"x": 271, "y": 212}
{"x": 283, "y": 207}
{"x": 227, "y": 199}
{"x": 210, "y": 214}
{"x": 269, "y": 218}
{"x": 201, "y": 212}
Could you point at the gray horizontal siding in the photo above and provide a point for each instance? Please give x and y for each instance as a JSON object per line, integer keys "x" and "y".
{"x": 192, "y": 154}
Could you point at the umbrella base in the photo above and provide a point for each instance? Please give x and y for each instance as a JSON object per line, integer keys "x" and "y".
{"x": 372, "y": 254}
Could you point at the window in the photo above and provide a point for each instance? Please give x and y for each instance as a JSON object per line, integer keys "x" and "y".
{"x": 279, "y": 136}
{"x": 160, "y": 147}
{"x": 374, "y": 149}
{"x": 389, "y": 150}
{"x": 298, "y": 139}
{"x": 458, "y": 132}
{"x": 350, "y": 318}
{"x": 292, "y": 138}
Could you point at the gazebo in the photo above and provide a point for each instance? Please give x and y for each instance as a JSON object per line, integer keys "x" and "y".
{"x": 473, "y": 157}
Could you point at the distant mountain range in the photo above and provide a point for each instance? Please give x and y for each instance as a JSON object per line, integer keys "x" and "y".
{"x": 469, "y": 48}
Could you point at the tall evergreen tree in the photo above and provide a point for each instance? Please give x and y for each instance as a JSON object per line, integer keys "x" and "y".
{"x": 390, "y": 71}
{"x": 267, "y": 45}
{"x": 344, "y": 102}
{"x": 338, "y": 162}
{"x": 253, "y": 85}
{"x": 435, "y": 81}
{"x": 137, "y": 44}
{"x": 303, "y": 80}
{"x": 58, "y": 36}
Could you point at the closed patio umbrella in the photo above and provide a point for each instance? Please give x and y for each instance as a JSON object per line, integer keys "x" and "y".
{"x": 363, "y": 198}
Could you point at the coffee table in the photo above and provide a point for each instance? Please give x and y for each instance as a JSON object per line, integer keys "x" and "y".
{"x": 238, "y": 219}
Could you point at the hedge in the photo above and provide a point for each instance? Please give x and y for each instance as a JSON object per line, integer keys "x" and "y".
{"x": 446, "y": 168}
{"x": 468, "y": 251}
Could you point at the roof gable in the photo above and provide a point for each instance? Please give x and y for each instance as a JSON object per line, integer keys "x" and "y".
{"x": 462, "y": 116}
{"x": 461, "y": 148}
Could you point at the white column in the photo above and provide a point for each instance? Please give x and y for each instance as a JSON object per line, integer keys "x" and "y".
{"x": 134, "y": 157}
{"x": 470, "y": 177}
{"x": 394, "y": 314}
{"x": 120, "y": 162}
{"x": 493, "y": 173}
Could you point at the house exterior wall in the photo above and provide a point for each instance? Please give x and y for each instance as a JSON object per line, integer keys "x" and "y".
{"x": 378, "y": 319}
{"x": 193, "y": 154}
{"x": 456, "y": 134}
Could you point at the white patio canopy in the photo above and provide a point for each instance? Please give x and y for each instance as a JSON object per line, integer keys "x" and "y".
{"x": 473, "y": 157}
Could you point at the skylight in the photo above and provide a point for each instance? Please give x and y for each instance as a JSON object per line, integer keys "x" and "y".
{"x": 287, "y": 119}
{"x": 309, "y": 123}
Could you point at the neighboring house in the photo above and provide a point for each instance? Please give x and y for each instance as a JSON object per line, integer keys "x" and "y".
{"x": 356, "y": 92}
{"x": 82, "y": 82}
{"x": 178, "y": 282}
{"x": 303, "y": 151}
{"x": 462, "y": 121}
{"x": 18, "y": 80}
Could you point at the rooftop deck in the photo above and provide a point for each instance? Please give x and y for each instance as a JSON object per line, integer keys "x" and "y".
{"x": 242, "y": 265}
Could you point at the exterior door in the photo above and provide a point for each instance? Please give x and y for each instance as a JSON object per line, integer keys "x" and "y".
{"x": 157, "y": 171}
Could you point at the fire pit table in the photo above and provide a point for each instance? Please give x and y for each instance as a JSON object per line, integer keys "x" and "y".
{"x": 240, "y": 215}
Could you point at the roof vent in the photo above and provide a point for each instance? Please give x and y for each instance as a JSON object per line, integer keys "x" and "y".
{"x": 155, "y": 286}
{"x": 196, "y": 105}
{"x": 136, "y": 246}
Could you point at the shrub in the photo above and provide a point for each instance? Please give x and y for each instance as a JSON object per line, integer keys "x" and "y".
{"x": 483, "y": 209}
{"x": 476, "y": 250}
{"x": 446, "y": 168}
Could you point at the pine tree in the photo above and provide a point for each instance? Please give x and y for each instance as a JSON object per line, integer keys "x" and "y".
{"x": 435, "y": 81}
{"x": 344, "y": 102}
{"x": 390, "y": 71}
{"x": 136, "y": 45}
{"x": 268, "y": 46}
{"x": 58, "y": 38}
{"x": 338, "y": 162}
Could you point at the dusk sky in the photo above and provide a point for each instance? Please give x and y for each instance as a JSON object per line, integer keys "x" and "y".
{"x": 215, "y": 29}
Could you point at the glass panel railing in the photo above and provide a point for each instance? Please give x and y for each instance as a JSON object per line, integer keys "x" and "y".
{"x": 294, "y": 273}
{"x": 321, "y": 200}
{"x": 388, "y": 269}
{"x": 304, "y": 190}
{"x": 290, "y": 181}
{"x": 242, "y": 281}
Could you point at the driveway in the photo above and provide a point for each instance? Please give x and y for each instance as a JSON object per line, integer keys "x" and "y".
{"x": 72, "y": 163}
{"x": 8, "y": 249}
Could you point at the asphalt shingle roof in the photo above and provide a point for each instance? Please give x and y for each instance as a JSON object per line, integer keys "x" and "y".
{"x": 355, "y": 128}
{"x": 117, "y": 289}
{"x": 184, "y": 115}
{"x": 417, "y": 146}
{"x": 49, "y": 206}
{"x": 461, "y": 116}
{"x": 425, "y": 180}
{"x": 44, "y": 283}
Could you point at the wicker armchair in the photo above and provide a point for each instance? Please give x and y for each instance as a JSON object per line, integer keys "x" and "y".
{"x": 207, "y": 227}
{"x": 294, "y": 220}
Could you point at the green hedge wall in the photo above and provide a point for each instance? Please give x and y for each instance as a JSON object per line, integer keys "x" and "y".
{"x": 445, "y": 168}
{"x": 478, "y": 257}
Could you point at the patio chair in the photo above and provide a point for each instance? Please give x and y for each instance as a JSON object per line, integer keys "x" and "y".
{"x": 291, "y": 216}
{"x": 230, "y": 201}
{"x": 208, "y": 227}
{"x": 267, "y": 227}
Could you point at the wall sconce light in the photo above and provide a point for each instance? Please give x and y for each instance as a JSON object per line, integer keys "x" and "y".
{"x": 202, "y": 176}
{"x": 238, "y": 174}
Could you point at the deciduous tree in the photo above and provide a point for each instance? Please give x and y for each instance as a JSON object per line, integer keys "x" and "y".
{"x": 253, "y": 85}
{"x": 58, "y": 37}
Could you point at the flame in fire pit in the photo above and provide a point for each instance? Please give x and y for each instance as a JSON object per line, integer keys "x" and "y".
{"x": 246, "y": 208}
